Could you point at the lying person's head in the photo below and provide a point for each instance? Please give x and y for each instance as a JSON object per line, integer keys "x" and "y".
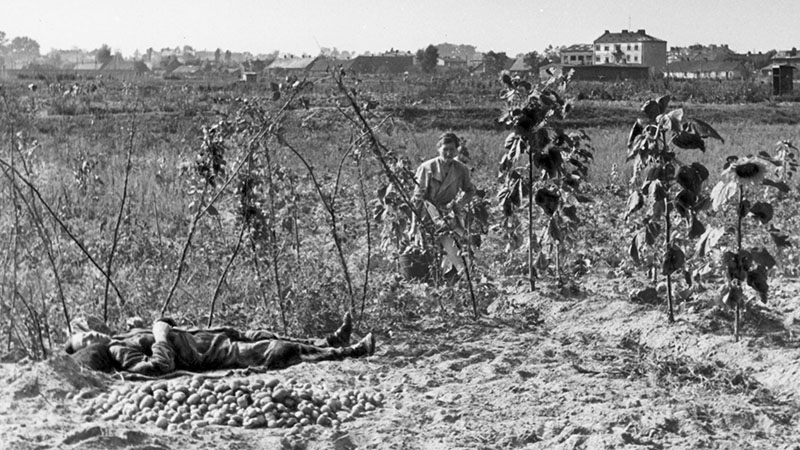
{"x": 90, "y": 349}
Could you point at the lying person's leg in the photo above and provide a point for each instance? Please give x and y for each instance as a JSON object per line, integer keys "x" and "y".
{"x": 339, "y": 338}
{"x": 278, "y": 354}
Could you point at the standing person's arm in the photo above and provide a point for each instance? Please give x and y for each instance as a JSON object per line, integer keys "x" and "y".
{"x": 423, "y": 177}
{"x": 162, "y": 360}
{"x": 466, "y": 186}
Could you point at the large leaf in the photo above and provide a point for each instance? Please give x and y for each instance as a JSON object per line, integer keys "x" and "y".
{"x": 651, "y": 231}
{"x": 757, "y": 279}
{"x": 701, "y": 170}
{"x": 689, "y": 179}
{"x": 735, "y": 265}
{"x": 781, "y": 240}
{"x": 635, "y": 202}
{"x": 636, "y": 131}
{"x": 697, "y": 229}
{"x": 684, "y": 203}
{"x": 547, "y": 200}
{"x": 633, "y": 250}
{"x": 762, "y": 257}
{"x": 571, "y": 213}
{"x": 722, "y": 193}
{"x": 688, "y": 141}
{"x": 671, "y": 120}
{"x": 703, "y": 129}
{"x": 779, "y": 185}
{"x": 762, "y": 211}
{"x": 673, "y": 261}
{"x": 731, "y": 295}
{"x": 708, "y": 240}
{"x": 663, "y": 103}
{"x": 651, "y": 109}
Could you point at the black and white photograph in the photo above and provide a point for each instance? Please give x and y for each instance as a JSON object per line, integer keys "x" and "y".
{"x": 375, "y": 224}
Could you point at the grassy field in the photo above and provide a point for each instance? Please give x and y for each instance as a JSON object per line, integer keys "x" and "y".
{"x": 74, "y": 152}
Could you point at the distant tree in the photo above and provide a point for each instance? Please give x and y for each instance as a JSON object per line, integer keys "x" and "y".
{"x": 465, "y": 52}
{"x": 103, "y": 54}
{"x": 228, "y": 56}
{"x": 428, "y": 58}
{"x": 533, "y": 60}
{"x": 553, "y": 54}
{"x": 495, "y": 62}
{"x": 3, "y": 42}
{"x": 24, "y": 46}
{"x": 217, "y": 55}
{"x": 188, "y": 50}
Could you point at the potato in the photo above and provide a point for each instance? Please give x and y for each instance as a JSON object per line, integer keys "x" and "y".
{"x": 148, "y": 401}
{"x": 324, "y": 420}
{"x": 162, "y": 422}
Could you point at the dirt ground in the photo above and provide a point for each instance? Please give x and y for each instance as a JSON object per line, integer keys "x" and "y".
{"x": 595, "y": 370}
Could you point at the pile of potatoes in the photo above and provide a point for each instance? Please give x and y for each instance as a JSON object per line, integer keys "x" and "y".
{"x": 250, "y": 403}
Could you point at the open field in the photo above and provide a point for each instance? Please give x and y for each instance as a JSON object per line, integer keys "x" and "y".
{"x": 113, "y": 175}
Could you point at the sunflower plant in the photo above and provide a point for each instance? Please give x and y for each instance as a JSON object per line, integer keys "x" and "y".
{"x": 742, "y": 181}
{"x": 550, "y": 177}
{"x": 664, "y": 186}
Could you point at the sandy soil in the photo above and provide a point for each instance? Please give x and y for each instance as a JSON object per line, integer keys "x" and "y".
{"x": 594, "y": 370}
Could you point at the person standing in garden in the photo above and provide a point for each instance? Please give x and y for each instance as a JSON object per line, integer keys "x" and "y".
{"x": 439, "y": 181}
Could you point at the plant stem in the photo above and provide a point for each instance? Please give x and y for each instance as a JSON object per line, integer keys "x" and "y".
{"x": 365, "y": 203}
{"x": 224, "y": 273}
{"x": 738, "y": 307}
{"x": 667, "y": 245}
{"x": 531, "y": 268}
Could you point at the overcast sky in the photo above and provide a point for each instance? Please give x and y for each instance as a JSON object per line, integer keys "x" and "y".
{"x": 304, "y": 26}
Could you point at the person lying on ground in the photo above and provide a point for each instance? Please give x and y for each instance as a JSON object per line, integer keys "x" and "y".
{"x": 166, "y": 348}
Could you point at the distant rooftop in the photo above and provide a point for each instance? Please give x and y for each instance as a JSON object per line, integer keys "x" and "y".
{"x": 626, "y": 36}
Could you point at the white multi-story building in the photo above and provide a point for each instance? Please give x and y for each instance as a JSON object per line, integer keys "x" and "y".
{"x": 633, "y": 48}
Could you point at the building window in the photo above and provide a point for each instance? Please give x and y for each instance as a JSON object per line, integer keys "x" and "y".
{"x": 598, "y": 59}
{"x": 628, "y": 58}
{"x": 597, "y": 47}
{"x": 629, "y": 46}
{"x": 635, "y": 59}
{"x": 572, "y": 58}
{"x": 636, "y": 46}
{"x": 605, "y": 48}
{"x": 607, "y": 60}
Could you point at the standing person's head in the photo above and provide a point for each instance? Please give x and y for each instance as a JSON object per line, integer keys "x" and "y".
{"x": 448, "y": 146}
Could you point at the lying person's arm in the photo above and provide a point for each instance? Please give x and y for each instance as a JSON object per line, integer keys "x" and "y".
{"x": 133, "y": 359}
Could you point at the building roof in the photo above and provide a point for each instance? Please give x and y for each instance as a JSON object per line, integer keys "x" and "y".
{"x": 705, "y": 66}
{"x": 577, "y": 48}
{"x": 185, "y": 70}
{"x": 626, "y": 36}
{"x": 375, "y": 64}
{"x": 519, "y": 65}
{"x": 323, "y": 64}
{"x": 121, "y": 65}
{"x": 292, "y": 63}
{"x": 87, "y": 66}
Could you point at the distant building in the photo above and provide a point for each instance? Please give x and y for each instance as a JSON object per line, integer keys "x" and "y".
{"x": 629, "y": 48}
{"x": 714, "y": 70}
{"x": 790, "y": 57}
{"x": 119, "y": 67}
{"x": 389, "y": 64}
{"x": 578, "y": 55}
{"x": 290, "y": 66}
{"x": 451, "y": 63}
{"x": 521, "y": 68}
{"x": 325, "y": 64}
